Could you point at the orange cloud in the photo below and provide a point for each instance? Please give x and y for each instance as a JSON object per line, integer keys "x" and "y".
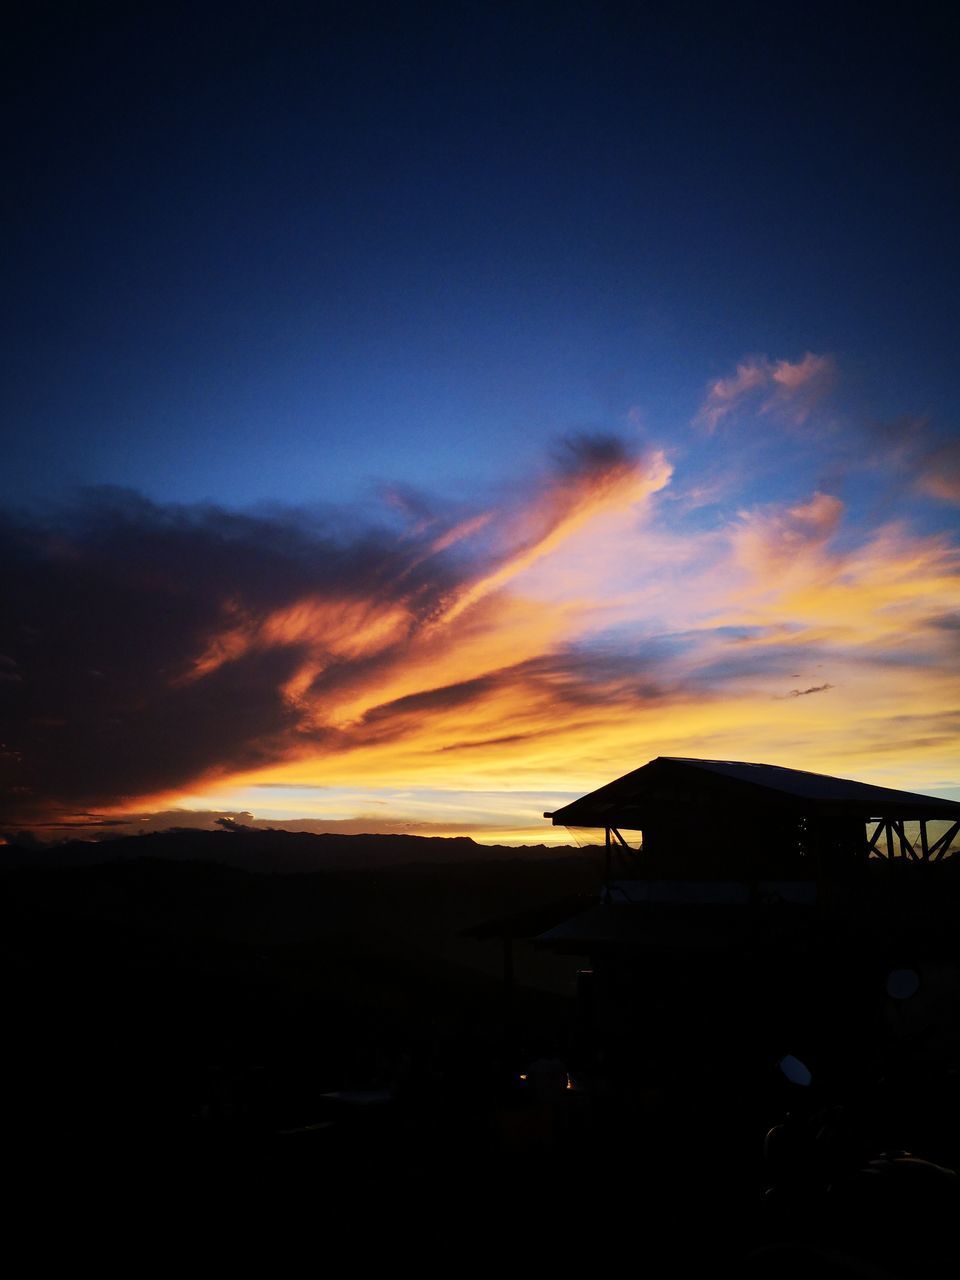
{"x": 496, "y": 702}
{"x": 609, "y": 479}
{"x": 844, "y": 615}
{"x": 544, "y": 644}
{"x": 464, "y": 529}
{"x": 475, "y": 628}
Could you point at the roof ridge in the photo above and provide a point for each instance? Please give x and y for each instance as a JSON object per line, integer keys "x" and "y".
{"x": 823, "y": 792}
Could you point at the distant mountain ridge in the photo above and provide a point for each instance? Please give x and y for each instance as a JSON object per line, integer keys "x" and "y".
{"x": 276, "y": 851}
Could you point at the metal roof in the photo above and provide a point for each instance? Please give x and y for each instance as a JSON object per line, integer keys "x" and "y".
{"x": 671, "y": 784}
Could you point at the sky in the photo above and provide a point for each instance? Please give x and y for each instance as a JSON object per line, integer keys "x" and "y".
{"x": 416, "y": 416}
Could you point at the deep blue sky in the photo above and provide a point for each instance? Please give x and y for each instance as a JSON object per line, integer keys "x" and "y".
{"x": 284, "y": 251}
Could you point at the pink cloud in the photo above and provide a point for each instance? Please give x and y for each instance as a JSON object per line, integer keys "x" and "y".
{"x": 724, "y": 395}
{"x": 778, "y": 541}
{"x": 799, "y": 387}
{"x": 795, "y": 388}
{"x": 940, "y": 474}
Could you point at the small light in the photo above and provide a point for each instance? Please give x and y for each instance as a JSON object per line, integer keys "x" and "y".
{"x": 523, "y": 1075}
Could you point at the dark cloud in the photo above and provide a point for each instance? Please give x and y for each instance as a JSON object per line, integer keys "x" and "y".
{"x": 915, "y": 450}
{"x": 146, "y": 648}
{"x": 490, "y": 742}
{"x": 575, "y": 677}
{"x": 584, "y": 452}
{"x": 106, "y": 605}
{"x": 452, "y": 695}
{"x": 940, "y": 472}
{"x": 802, "y": 693}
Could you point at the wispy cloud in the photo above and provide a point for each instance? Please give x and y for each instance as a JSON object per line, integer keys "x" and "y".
{"x": 910, "y": 455}
{"x": 939, "y": 472}
{"x": 726, "y": 394}
{"x": 785, "y": 389}
{"x": 772, "y": 542}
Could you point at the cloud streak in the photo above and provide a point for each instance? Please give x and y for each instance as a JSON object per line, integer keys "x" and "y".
{"x": 150, "y": 649}
{"x": 803, "y": 693}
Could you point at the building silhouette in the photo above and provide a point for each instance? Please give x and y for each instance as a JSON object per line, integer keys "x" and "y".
{"x": 762, "y": 911}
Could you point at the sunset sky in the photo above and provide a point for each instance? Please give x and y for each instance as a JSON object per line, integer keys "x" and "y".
{"x": 417, "y": 416}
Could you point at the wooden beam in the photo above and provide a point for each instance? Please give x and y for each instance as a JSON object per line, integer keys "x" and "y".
{"x": 874, "y": 838}
{"x": 925, "y": 852}
{"x": 626, "y": 855}
{"x": 889, "y": 829}
{"x": 939, "y": 847}
{"x": 906, "y": 848}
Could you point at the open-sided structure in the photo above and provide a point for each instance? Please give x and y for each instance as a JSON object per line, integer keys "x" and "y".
{"x": 731, "y": 810}
{"x": 764, "y": 907}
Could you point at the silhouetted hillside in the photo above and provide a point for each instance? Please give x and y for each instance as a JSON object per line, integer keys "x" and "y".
{"x": 255, "y": 849}
{"x": 157, "y": 999}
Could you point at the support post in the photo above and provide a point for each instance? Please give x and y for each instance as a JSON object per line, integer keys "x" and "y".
{"x": 608, "y": 853}
{"x": 871, "y": 847}
{"x": 906, "y": 848}
{"x": 889, "y": 830}
{"x": 508, "y": 993}
{"x": 923, "y": 840}
{"x": 622, "y": 850}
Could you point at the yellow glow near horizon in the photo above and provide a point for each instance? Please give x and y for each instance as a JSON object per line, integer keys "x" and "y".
{"x": 774, "y": 646}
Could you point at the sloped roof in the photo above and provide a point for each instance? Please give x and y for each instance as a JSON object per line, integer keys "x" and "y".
{"x": 673, "y": 784}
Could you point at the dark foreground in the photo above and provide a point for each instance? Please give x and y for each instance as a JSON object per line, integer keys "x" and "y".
{"x": 329, "y": 1057}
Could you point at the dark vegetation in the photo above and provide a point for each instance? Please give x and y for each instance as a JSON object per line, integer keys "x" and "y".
{"x": 169, "y": 998}
{"x": 315, "y": 1027}
{"x": 318, "y": 1026}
